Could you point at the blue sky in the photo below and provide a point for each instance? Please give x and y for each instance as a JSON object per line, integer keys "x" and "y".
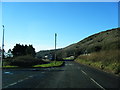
{"x": 36, "y": 22}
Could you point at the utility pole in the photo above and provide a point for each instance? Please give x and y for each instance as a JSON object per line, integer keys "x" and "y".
{"x": 55, "y": 46}
{"x": 0, "y": 56}
{"x": 3, "y": 43}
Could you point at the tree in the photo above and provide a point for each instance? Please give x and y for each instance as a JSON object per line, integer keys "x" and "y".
{"x": 17, "y": 50}
{"x": 30, "y": 50}
{"x": 20, "y": 50}
{"x": 9, "y": 51}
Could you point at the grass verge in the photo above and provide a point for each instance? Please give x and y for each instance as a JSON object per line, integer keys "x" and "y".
{"x": 9, "y": 66}
{"x": 106, "y": 60}
{"x": 51, "y": 64}
{"x": 111, "y": 68}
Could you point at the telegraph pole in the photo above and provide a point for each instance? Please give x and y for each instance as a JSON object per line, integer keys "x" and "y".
{"x": 55, "y": 46}
{"x": 3, "y": 43}
{"x": 0, "y": 56}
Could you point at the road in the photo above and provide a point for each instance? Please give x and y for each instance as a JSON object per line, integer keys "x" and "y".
{"x": 72, "y": 75}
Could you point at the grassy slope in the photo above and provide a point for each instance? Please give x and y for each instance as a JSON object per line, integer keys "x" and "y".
{"x": 103, "y": 50}
{"x": 106, "y": 40}
{"x": 104, "y": 60}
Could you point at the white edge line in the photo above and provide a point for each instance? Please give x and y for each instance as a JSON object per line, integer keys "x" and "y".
{"x": 84, "y": 72}
{"x": 97, "y": 83}
{"x": 93, "y": 80}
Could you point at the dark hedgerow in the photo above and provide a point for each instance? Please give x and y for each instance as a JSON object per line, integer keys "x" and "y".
{"x": 26, "y": 61}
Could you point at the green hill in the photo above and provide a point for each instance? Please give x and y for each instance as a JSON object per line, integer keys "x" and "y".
{"x": 106, "y": 40}
{"x": 100, "y": 50}
{"x": 43, "y": 53}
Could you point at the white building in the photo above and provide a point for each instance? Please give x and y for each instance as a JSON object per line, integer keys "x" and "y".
{"x": 8, "y": 54}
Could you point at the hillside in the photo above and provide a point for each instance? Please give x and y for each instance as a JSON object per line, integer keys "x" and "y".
{"x": 105, "y": 40}
{"x": 43, "y": 53}
{"x": 101, "y": 50}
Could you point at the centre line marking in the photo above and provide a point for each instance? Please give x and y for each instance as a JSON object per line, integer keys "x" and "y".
{"x": 10, "y": 84}
{"x": 97, "y": 83}
{"x": 30, "y": 76}
{"x": 13, "y": 83}
{"x": 18, "y": 81}
{"x": 84, "y": 72}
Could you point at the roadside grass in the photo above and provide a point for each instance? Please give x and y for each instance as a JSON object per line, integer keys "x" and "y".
{"x": 9, "y": 66}
{"x": 68, "y": 58}
{"x": 51, "y": 64}
{"x": 28, "y": 62}
{"x": 105, "y": 60}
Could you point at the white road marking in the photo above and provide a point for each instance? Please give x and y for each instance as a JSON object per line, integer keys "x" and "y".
{"x": 68, "y": 64}
{"x": 42, "y": 72}
{"x": 97, "y": 83}
{"x": 93, "y": 80}
{"x": 8, "y": 73}
{"x": 84, "y": 72}
{"x": 33, "y": 69}
{"x": 13, "y": 83}
{"x": 26, "y": 78}
{"x": 10, "y": 84}
{"x": 78, "y": 67}
{"x": 30, "y": 76}
{"x": 18, "y": 81}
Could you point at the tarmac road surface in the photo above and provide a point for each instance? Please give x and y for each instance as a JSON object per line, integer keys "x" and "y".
{"x": 72, "y": 75}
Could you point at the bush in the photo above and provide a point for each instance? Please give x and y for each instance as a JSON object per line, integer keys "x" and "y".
{"x": 26, "y": 61}
{"x": 7, "y": 61}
